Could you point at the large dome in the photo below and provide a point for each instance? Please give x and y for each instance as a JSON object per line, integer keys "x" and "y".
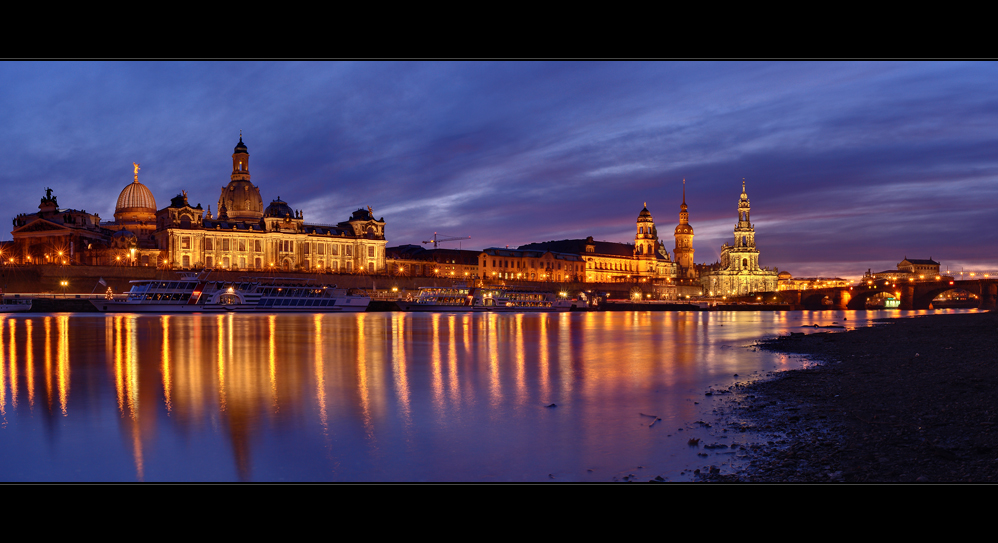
{"x": 135, "y": 197}
{"x": 242, "y": 200}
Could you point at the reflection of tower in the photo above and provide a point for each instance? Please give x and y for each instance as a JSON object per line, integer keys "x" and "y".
{"x": 645, "y": 241}
{"x": 684, "y": 242}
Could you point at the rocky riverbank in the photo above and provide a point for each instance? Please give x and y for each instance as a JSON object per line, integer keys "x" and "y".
{"x": 909, "y": 400}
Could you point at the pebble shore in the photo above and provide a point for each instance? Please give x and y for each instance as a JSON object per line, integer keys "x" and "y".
{"x": 907, "y": 400}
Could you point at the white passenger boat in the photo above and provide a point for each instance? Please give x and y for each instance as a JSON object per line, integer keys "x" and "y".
{"x": 498, "y": 299}
{"x": 194, "y": 294}
{"x": 14, "y": 305}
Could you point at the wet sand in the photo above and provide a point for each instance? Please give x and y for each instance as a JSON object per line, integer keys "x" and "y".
{"x": 909, "y": 400}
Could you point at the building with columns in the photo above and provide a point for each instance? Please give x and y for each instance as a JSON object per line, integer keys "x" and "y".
{"x": 738, "y": 272}
{"x": 247, "y": 236}
{"x": 56, "y": 235}
{"x": 244, "y": 235}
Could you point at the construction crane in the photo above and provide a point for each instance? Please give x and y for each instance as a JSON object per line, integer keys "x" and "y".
{"x": 437, "y": 240}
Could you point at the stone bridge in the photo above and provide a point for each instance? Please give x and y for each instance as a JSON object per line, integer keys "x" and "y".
{"x": 912, "y": 295}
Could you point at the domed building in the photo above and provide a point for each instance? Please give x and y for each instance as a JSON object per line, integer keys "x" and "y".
{"x": 240, "y": 199}
{"x": 246, "y": 236}
{"x": 134, "y": 213}
{"x": 135, "y": 209}
{"x": 278, "y": 209}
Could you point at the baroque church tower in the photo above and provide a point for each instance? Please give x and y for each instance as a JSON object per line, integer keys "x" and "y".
{"x": 646, "y": 236}
{"x": 240, "y": 199}
{"x": 738, "y": 273}
{"x": 743, "y": 255}
{"x": 684, "y": 242}
{"x": 645, "y": 241}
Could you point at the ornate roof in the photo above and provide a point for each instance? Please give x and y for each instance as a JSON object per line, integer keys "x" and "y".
{"x": 645, "y": 214}
{"x": 278, "y": 208}
{"x": 135, "y": 195}
{"x": 684, "y": 229}
{"x": 242, "y": 200}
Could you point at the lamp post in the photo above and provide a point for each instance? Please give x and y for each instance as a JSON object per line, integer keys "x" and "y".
{"x": 64, "y": 284}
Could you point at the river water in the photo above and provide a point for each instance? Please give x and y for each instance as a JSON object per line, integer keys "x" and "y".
{"x": 379, "y": 396}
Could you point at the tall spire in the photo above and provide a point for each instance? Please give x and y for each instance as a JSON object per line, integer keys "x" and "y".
{"x": 682, "y": 207}
{"x": 684, "y": 242}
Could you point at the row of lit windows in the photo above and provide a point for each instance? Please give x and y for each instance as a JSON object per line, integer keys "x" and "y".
{"x": 241, "y": 263}
{"x": 287, "y": 246}
{"x": 519, "y": 264}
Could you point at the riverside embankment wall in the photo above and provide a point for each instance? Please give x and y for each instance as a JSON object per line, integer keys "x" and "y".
{"x": 86, "y": 279}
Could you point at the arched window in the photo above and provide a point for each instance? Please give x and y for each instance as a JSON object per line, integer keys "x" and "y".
{"x": 745, "y": 263}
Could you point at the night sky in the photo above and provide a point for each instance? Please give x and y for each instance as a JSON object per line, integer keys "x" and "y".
{"x": 848, "y": 166}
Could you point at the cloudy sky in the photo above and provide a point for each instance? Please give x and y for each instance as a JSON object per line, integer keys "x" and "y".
{"x": 848, "y": 166}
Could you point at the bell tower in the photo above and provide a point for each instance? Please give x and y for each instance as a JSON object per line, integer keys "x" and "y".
{"x": 744, "y": 232}
{"x": 240, "y": 200}
{"x": 684, "y": 242}
{"x": 240, "y": 161}
{"x": 645, "y": 239}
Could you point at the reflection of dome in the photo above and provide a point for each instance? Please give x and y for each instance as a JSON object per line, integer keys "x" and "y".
{"x": 136, "y": 197}
{"x": 277, "y": 208}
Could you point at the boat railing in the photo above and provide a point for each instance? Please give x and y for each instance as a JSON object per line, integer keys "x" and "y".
{"x": 59, "y": 296}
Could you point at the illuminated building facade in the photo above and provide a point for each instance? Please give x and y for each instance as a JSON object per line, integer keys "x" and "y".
{"x": 415, "y": 261}
{"x": 133, "y": 226}
{"x": 788, "y": 282}
{"x": 244, "y": 236}
{"x": 604, "y": 261}
{"x": 910, "y": 269}
{"x": 530, "y": 265}
{"x": 738, "y": 272}
{"x": 56, "y": 235}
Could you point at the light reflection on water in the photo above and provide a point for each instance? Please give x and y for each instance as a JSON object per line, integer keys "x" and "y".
{"x": 373, "y": 396}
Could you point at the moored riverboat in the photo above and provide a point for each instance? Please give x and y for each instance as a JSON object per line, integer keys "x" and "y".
{"x": 14, "y": 305}
{"x": 496, "y": 299}
{"x": 194, "y": 294}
